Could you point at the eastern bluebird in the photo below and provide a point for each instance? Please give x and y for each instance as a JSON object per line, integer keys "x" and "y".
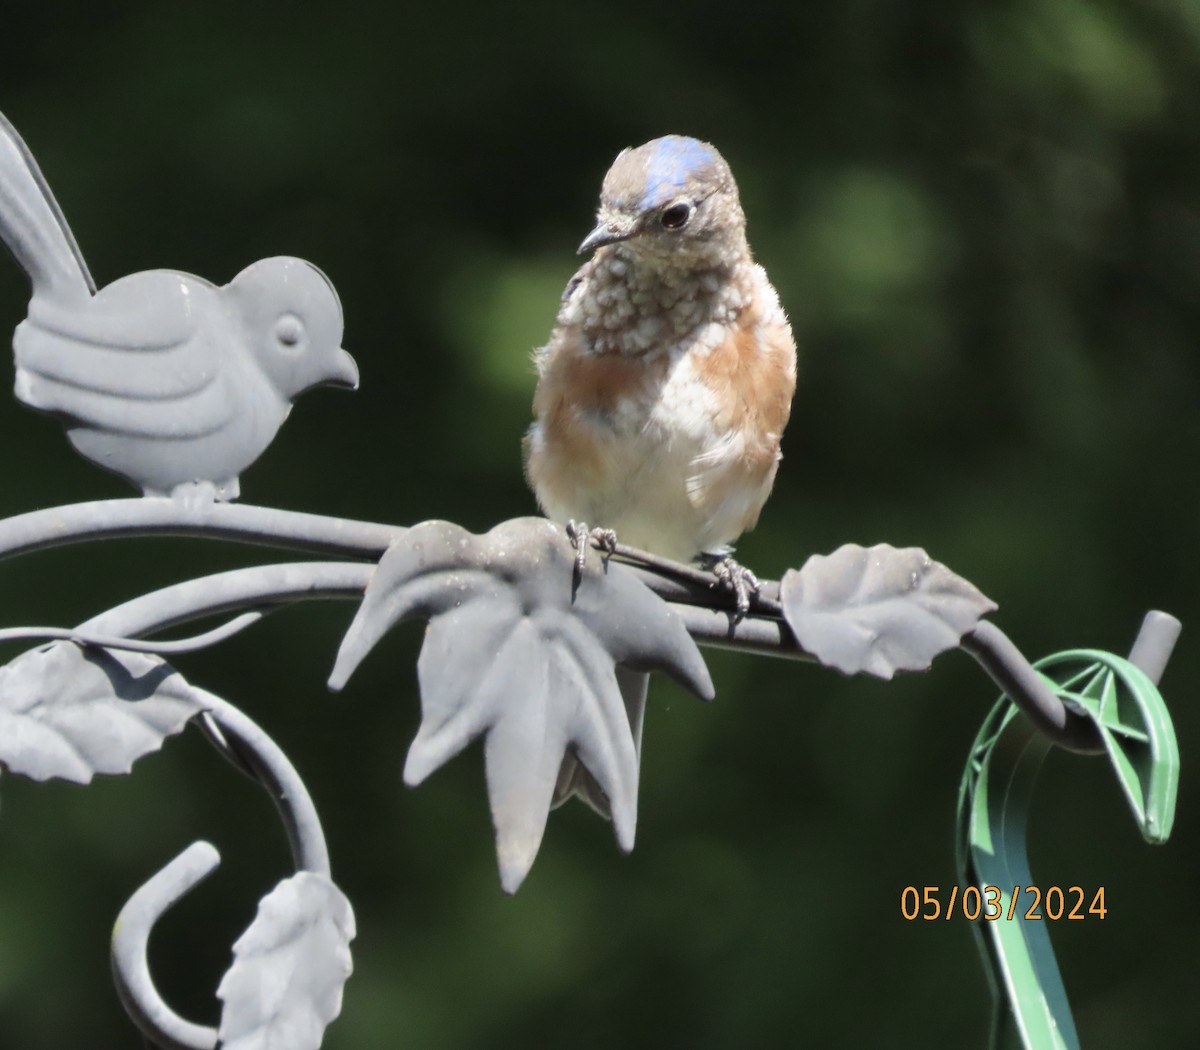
{"x": 162, "y": 377}
{"x": 668, "y": 378}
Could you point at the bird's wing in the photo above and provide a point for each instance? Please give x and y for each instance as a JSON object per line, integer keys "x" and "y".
{"x": 751, "y": 375}
{"x": 728, "y": 485}
{"x": 144, "y": 358}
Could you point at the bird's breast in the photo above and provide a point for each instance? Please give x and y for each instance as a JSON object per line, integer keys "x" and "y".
{"x": 676, "y": 447}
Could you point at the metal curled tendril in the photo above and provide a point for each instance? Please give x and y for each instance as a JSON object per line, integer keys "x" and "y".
{"x": 134, "y": 645}
{"x": 131, "y": 935}
{"x": 257, "y": 754}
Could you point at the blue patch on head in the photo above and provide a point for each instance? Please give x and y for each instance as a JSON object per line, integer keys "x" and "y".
{"x": 673, "y": 160}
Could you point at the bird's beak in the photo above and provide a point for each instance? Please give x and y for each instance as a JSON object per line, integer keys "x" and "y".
{"x": 607, "y": 231}
{"x": 344, "y": 372}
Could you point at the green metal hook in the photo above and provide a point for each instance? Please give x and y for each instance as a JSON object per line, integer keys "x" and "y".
{"x": 1122, "y": 701}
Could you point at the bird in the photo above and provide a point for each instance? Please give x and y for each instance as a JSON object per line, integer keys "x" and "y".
{"x": 162, "y": 377}
{"x": 665, "y": 385}
{"x": 667, "y": 381}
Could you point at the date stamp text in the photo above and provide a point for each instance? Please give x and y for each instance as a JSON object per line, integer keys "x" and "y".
{"x": 1033, "y": 903}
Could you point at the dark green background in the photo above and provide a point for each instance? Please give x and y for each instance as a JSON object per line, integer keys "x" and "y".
{"x": 984, "y": 220}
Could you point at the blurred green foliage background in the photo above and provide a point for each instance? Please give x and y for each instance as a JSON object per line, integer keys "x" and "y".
{"x": 984, "y": 220}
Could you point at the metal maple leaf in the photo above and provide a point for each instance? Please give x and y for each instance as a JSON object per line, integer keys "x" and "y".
{"x": 520, "y": 651}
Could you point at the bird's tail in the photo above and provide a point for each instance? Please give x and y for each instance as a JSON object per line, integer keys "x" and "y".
{"x": 32, "y": 224}
{"x": 574, "y": 778}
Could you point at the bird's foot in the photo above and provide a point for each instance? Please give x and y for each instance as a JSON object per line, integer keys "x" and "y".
{"x": 738, "y": 579}
{"x": 581, "y": 538}
{"x": 607, "y": 538}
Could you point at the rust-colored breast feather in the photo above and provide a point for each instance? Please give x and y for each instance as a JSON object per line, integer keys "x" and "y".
{"x": 753, "y": 377}
{"x": 577, "y": 392}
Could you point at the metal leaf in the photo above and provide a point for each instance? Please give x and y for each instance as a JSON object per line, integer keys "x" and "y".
{"x": 72, "y": 712}
{"x": 515, "y": 652}
{"x": 878, "y": 610}
{"x": 285, "y": 985}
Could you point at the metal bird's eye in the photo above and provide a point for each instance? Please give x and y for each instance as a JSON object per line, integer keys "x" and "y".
{"x": 289, "y": 331}
{"x": 676, "y": 216}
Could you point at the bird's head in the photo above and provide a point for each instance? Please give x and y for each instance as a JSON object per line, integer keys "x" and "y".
{"x": 672, "y": 200}
{"x": 294, "y": 317}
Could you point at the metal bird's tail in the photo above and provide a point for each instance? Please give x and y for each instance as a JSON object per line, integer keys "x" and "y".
{"x": 32, "y": 224}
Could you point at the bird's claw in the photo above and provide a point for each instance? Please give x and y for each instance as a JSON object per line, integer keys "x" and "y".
{"x": 738, "y": 579}
{"x": 607, "y": 538}
{"x": 581, "y": 538}
{"x": 579, "y": 535}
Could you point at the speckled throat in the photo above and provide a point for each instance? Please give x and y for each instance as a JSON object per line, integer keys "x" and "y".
{"x": 625, "y": 304}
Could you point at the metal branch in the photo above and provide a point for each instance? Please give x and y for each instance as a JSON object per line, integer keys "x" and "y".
{"x": 703, "y": 586}
{"x": 117, "y": 518}
{"x": 257, "y": 751}
{"x": 721, "y": 629}
{"x": 1154, "y": 644}
{"x": 1035, "y": 694}
{"x": 255, "y": 587}
{"x": 1029, "y": 690}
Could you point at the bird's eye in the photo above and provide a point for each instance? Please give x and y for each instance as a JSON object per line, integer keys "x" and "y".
{"x": 676, "y": 216}
{"x": 289, "y": 331}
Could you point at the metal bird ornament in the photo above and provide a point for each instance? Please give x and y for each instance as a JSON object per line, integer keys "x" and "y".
{"x": 161, "y": 377}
